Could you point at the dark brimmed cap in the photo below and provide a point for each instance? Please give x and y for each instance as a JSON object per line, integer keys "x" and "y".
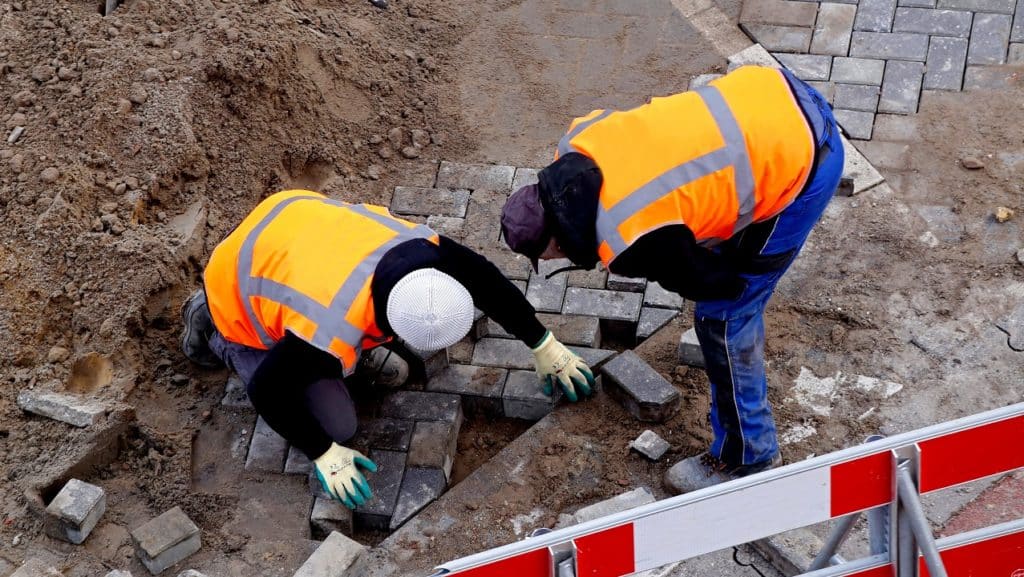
{"x": 524, "y": 225}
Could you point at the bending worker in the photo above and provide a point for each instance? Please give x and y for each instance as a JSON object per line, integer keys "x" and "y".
{"x": 306, "y": 284}
{"x": 711, "y": 193}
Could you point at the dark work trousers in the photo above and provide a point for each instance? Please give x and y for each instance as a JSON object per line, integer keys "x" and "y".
{"x": 731, "y": 332}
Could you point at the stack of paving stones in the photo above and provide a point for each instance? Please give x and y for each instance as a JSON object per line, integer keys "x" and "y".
{"x": 878, "y": 57}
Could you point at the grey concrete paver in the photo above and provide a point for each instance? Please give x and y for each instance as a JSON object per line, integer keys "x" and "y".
{"x": 780, "y": 12}
{"x": 889, "y": 46}
{"x": 875, "y": 15}
{"x": 860, "y": 97}
{"x": 989, "y": 38}
{"x": 1015, "y": 54}
{"x": 929, "y": 21}
{"x": 857, "y": 70}
{"x": 945, "y": 64}
{"x": 995, "y": 6}
{"x": 807, "y": 66}
{"x": 833, "y": 29}
{"x": 780, "y": 38}
{"x": 1017, "y": 33}
{"x": 857, "y": 124}
{"x": 901, "y": 87}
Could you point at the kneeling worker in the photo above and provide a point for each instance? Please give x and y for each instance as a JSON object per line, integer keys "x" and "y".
{"x": 306, "y": 284}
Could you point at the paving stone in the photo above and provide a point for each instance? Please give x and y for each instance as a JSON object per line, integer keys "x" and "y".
{"x": 807, "y": 66}
{"x": 462, "y": 351}
{"x": 990, "y": 77}
{"x": 480, "y": 387}
{"x": 929, "y": 21}
{"x": 777, "y": 38}
{"x": 826, "y": 89}
{"x": 594, "y": 279}
{"x": 856, "y": 124}
{"x": 166, "y": 540}
{"x": 337, "y": 556}
{"x": 917, "y": 3}
{"x": 650, "y": 445}
{"x": 875, "y": 15}
{"x": 267, "y": 450}
{"x": 997, "y": 6}
{"x": 1017, "y": 32}
{"x": 593, "y": 357}
{"x": 656, "y": 296}
{"x": 479, "y": 329}
{"x": 503, "y": 353}
{"x": 889, "y": 46}
{"x": 423, "y": 406}
{"x": 523, "y": 177}
{"x": 431, "y": 362}
{"x": 36, "y": 568}
{"x": 857, "y": 168}
{"x": 703, "y": 80}
{"x": 861, "y": 97}
{"x": 901, "y": 88}
{"x": 235, "y": 395}
{"x": 524, "y": 399}
{"x": 450, "y": 226}
{"x": 1016, "y": 54}
{"x": 617, "y": 504}
{"x": 297, "y": 463}
{"x": 641, "y": 390}
{"x": 779, "y": 12}
{"x": 625, "y": 283}
{"x": 569, "y": 329}
{"x": 858, "y": 71}
{"x": 384, "y": 433}
{"x": 409, "y": 200}
{"x": 833, "y": 29}
{"x": 483, "y": 217}
{"x": 689, "y": 351}
{"x": 755, "y": 55}
{"x": 651, "y": 321}
{"x": 545, "y": 294}
{"x": 74, "y": 512}
{"x": 71, "y": 409}
{"x": 513, "y": 265}
{"x": 989, "y": 38}
{"x": 895, "y": 127}
{"x": 385, "y": 483}
{"x": 944, "y": 69}
{"x": 475, "y": 176}
{"x": 605, "y": 304}
{"x": 891, "y": 155}
{"x": 329, "y": 516}
{"x": 420, "y": 487}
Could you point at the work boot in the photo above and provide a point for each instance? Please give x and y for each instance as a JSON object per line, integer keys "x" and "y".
{"x": 380, "y": 366}
{"x": 704, "y": 470}
{"x": 195, "y": 336}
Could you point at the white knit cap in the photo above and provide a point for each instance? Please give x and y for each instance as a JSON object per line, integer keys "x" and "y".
{"x": 430, "y": 310}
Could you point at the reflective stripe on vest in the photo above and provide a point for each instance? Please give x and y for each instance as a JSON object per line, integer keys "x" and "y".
{"x": 330, "y": 320}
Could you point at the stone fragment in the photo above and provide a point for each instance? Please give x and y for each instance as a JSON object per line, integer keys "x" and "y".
{"x": 857, "y": 71}
{"x": 297, "y": 463}
{"x": 235, "y": 395}
{"x": 990, "y": 35}
{"x": 776, "y": 39}
{"x": 433, "y": 446}
{"x": 16, "y": 133}
{"x": 889, "y": 46}
{"x": 833, "y": 28}
{"x": 546, "y": 295}
{"x": 901, "y": 88}
{"x": 691, "y": 475}
{"x": 614, "y": 305}
{"x": 856, "y": 97}
{"x": 624, "y": 502}
{"x": 57, "y": 355}
{"x": 267, "y": 450}
{"x": 875, "y": 15}
{"x": 35, "y": 567}
{"x": 329, "y": 516}
{"x": 807, "y": 66}
{"x": 650, "y": 445}
{"x": 69, "y": 409}
{"x": 643, "y": 392}
{"x": 409, "y": 200}
{"x": 524, "y": 399}
{"x": 74, "y": 512}
{"x": 166, "y": 540}
{"x": 652, "y": 320}
{"x": 479, "y": 387}
{"x": 49, "y": 175}
{"x": 337, "y": 556}
{"x": 419, "y": 488}
{"x": 624, "y": 283}
{"x": 944, "y": 69}
{"x": 475, "y": 176}
{"x": 523, "y": 177}
{"x": 385, "y": 483}
{"x": 384, "y": 433}
{"x": 190, "y": 573}
{"x": 928, "y": 21}
{"x": 690, "y": 352}
{"x": 423, "y": 406}
{"x": 1003, "y": 214}
{"x": 971, "y": 163}
{"x": 119, "y": 573}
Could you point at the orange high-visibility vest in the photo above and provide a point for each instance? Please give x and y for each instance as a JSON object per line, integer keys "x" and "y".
{"x": 302, "y": 262}
{"x": 715, "y": 159}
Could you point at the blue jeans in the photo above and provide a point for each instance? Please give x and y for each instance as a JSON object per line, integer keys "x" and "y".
{"x": 731, "y": 332}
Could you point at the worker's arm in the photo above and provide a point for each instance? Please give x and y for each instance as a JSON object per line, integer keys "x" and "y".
{"x": 671, "y": 256}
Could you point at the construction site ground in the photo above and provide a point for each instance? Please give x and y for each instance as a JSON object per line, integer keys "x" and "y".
{"x": 149, "y": 133}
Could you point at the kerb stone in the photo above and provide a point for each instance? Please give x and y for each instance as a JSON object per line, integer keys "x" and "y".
{"x": 73, "y": 410}
{"x": 650, "y": 445}
{"x": 166, "y": 540}
{"x": 858, "y": 71}
{"x": 337, "y": 556}
{"x": 643, "y": 392}
{"x": 699, "y": 81}
{"x": 480, "y": 387}
{"x": 385, "y": 483}
{"x": 329, "y": 516}
{"x": 614, "y": 305}
{"x": 74, "y": 512}
{"x": 889, "y": 46}
{"x": 419, "y": 488}
{"x": 651, "y": 320}
{"x": 755, "y": 55}
{"x": 423, "y": 406}
{"x": 989, "y": 38}
{"x": 857, "y": 168}
{"x": 901, "y": 89}
{"x": 475, "y": 176}
{"x": 409, "y": 200}
{"x": 267, "y": 450}
{"x": 807, "y": 66}
{"x": 624, "y": 502}
{"x": 235, "y": 395}
{"x": 524, "y": 399}
{"x": 833, "y": 29}
{"x": 690, "y": 352}
{"x": 944, "y": 69}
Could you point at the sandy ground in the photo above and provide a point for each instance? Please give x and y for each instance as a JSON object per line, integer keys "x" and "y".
{"x": 151, "y": 132}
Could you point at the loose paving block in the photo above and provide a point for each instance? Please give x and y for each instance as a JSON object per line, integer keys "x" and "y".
{"x": 856, "y": 124}
{"x": 503, "y": 353}
{"x": 384, "y": 433}
{"x": 997, "y": 6}
{"x": 423, "y": 406}
{"x": 862, "y": 97}
{"x": 475, "y": 176}
{"x": 385, "y": 483}
{"x": 641, "y": 390}
{"x": 701, "y": 80}
{"x": 71, "y": 409}
{"x": 410, "y": 200}
{"x": 929, "y": 21}
{"x": 419, "y": 488}
{"x": 523, "y": 177}
{"x": 297, "y": 463}
{"x": 483, "y": 217}
{"x": 779, "y": 12}
{"x": 889, "y": 46}
{"x": 833, "y": 29}
{"x": 569, "y": 329}
{"x": 593, "y": 357}
{"x": 857, "y": 71}
{"x": 989, "y": 38}
{"x": 329, "y": 516}
{"x": 615, "y": 305}
{"x": 650, "y": 445}
{"x": 524, "y": 399}
{"x": 235, "y": 395}
{"x": 901, "y": 88}
{"x": 778, "y": 38}
{"x": 944, "y": 69}
{"x": 267, "y": 450}
{"x": 990, "y": 77}
{"x": 1016, "y": 54}
{"x": 826, "y": 89}
{"x": 624, "y": 502}
{"x": 755, "y": 55}
{"x": 431, "y": 362}
{"x": 651, "y": 320}
{"x": 36, "y": 568}
{"x": 74, "y": 512}
{"x": 480, "y": 387}
{"x": 1017, "y": 32}
{"x": 450, "y": 226}
{"x": 689, "y": 351}
{"x": 875, "y": 15}
{"x": 546, "y": 294}
{"x": 656, "y": 296}
{"x": 337, "y": 556}
{"x": 433, "y": 446}
{"x": 895, "y": 127}
{"x": 166, "y": 540}
{"x": 625, "y": 283}
{"x": 856, "y": 167}
{"x": 807, "y": 66}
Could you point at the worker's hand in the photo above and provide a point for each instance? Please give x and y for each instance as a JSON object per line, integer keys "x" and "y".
{"x": 554, "y": 362}
{"x": 338, "y": 471}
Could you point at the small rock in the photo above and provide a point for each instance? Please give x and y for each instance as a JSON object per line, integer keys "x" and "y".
{"x": 42, "y": 73}
{"x": 411, "y": 151}
{"x": 971, "y": 163}
{"x": 232, "y": 34}
{"x": 57, "y": 354}
{"x": 650, "y": 445}
{"x": 17, "y": 163}
{"x": 124, "y": 106}
{"x": 838, "y": 334}
{"x": 138, "y": 95}
{"x": 376, "y": 139}
{"x": 15, "y": 134}
{"x": 175, "y": 54}
{"x": 152, "y": 75}
{"x": 420, "y": 138}
{"x": 384, "y": 152}
{"x": 382, "y": 4}
{"x": 179, "y": 379}
{"x": 49, "y": 175}
{"x": 66, "y": 73}
{"x": 1003, "y": 214}
{"x": 396, "y": 137}
{"x": 158, "y": 41}
{"x": 24, "y": 98}
{"x": 373, "y": 171}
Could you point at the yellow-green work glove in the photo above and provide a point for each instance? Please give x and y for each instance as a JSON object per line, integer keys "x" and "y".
{"x": 554, "y": 362}
{"x": 338, "y": 471}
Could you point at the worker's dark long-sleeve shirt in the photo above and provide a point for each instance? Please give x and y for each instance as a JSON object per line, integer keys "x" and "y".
{"x": 278, "y": 386}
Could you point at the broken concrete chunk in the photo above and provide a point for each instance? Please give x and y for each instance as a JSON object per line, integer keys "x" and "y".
{"x": 650, "y": 445}
{"x": 419, "y": 488}
{"x": 624, "y": 502}
{"x": 166, "y": 540}
{"x": 329, "y": 516}
{"x": 337, "y": 556}
{"x": 690, "y": 352}
{"x": 640, "y": 389}
{"x": 74, "y": 512}
{"x": 70, "y": 409}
